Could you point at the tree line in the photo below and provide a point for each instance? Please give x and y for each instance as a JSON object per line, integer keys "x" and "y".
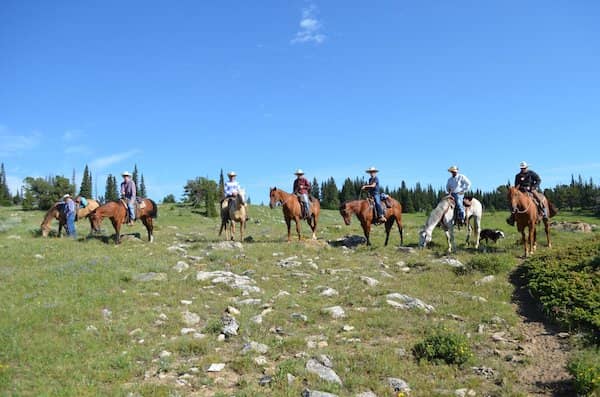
{"x": 205, "y": 193}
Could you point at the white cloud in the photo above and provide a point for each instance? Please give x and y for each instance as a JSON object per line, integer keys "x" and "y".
{"x": 310, "y": 27}
{"x": 72, "y": 135}
{"x": 15, "y": 144}
{"x": 104, "y": 162}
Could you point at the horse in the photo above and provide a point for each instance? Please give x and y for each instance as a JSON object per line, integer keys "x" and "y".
{"x": 474, "y": 211}
{"x": 57, "y": 212}
{"x": 364, "y": 212}
{"x": 233, "y": 211}
{"x": 292, "y": 210}
{"x": 443, "y": 214}
{"x": 117, "y": 212}
{"x": 526, "y": 216}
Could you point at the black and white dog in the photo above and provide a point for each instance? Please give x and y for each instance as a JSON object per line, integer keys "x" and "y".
{"x": 493, "y": 235}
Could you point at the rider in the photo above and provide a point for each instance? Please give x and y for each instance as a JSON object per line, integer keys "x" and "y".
{"x": 374, "y": 190}
{"x": 529, "y": 181}
{"x": 301, "y": 189}
{"x": 457, "y": 186}
{"x": 128, "y": 192}
{"x": 69, "y": 211}
{"x": 232, "y": 188}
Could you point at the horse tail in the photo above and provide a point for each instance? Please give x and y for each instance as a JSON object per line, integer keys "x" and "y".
{"x": 154, "y": 212}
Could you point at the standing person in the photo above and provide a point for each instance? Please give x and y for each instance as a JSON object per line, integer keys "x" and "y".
{"x": 529, "y": 181}
{"x": 457, "y": 186}
{"x": 128, "y": 192}
{"x": 69, "y": 211}
{"x": 302, "y": 188}
{"x": 374, "y": 190}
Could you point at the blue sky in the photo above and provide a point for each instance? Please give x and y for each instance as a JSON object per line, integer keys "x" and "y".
{"x": 187, "y": 88}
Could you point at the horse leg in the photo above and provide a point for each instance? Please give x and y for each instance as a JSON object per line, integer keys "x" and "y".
{"x": 313, "y": 226}
{"x": 477, "y": 222}
{"x": 524, "y": 241}
{"x": 232, "y": 229}
{"x": 388, "y": 226}
{"x": 297, "y": 220}
{"x": 288, "y": 222}
{"x": 147, "y": 221}
{"x": 366, "y": 226}
{"x": 242, "y": 227}
{"x": 400, "y": 230}
{"x": 117, "y": 226}
{"x": 547, "y": 230}
{"x": 450, "y": 238}
{"x": 534, "y": 245}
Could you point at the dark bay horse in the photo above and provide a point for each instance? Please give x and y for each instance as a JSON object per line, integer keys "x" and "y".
{"x": 117, "y": 212}
{"x": 57, "y": 212}
{"x": 364, "y": 212}
{"x": 526, "y": 216}
{"x": 292, "y": 210}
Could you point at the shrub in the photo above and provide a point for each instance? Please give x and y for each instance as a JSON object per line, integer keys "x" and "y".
{"x": 443, "y": 346}
{"x": 585, "y": 369}
{"x": 490, "y": 263}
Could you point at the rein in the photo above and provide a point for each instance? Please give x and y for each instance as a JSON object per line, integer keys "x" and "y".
{"x": 517, "y": 211}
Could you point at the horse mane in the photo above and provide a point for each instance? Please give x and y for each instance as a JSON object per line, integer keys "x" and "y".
{"x": 438, "y": 213}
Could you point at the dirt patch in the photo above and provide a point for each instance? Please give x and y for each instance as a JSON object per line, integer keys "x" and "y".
{"x": 546, "y": 374}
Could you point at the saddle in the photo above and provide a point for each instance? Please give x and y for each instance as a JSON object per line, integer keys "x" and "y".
{"x": 303, "y": 210}
{"x": 138, "y": 205}
{"x": 386, "y": 203}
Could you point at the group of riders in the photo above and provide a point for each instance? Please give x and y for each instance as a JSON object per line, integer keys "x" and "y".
{"x": 457, "y": 186}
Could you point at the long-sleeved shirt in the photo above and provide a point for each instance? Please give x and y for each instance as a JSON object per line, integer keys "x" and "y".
{"x": 528, "y": 179}
{"x": 69, "y": 207}
{"x": 458, "y": 184}
{"x": 231, "y": 188}
{"x": 128, "y": 189}
{"x": 301, "y": 185}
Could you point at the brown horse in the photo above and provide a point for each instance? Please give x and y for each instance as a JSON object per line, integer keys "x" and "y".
{"x": 117, "y": 212}
{"x": 292, "y": 210}
{"x": 56, "y": 212}
{"x": 230, "y": 214}
{"x": 526, "y": 215}
{"x": 364, "y": 212}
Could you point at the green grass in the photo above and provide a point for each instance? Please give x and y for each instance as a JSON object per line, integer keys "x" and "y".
{"x": 56, "y": 340}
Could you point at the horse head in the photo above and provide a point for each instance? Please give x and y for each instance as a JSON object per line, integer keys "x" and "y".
{"x": 513, "y": 195}
{"x": 346, "y": 213}
{"x": 424, "y": 238}
{"x": 96, "y": 220}
{"x": 274, "y": 197}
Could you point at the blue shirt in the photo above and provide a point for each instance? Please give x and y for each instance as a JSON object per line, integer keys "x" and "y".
{"x": 69, "y": 207}
{"x": 375, "y": 180}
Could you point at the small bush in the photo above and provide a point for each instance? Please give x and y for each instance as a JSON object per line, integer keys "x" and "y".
{"x": 443, "y": 346}
{"x": 585, "y": 369}
{"x": 490, "y": 264}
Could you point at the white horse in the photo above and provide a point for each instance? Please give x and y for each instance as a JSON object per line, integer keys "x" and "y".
{"x": 230, "y": 215}
{"x": 443, "y": 215}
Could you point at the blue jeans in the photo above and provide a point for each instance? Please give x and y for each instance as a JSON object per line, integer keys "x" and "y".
{"x": 71, "y": 232}
{"x": 378, "y": 206}
{"x": 306, "y": 202}
{"x": 131, "y": 208}
{"x": 458, "y": 198}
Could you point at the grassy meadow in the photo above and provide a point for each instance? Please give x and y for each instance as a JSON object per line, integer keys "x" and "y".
{"x": 77, "y": 320}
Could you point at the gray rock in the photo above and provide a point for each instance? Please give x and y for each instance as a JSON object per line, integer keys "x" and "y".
{"x": 181, "y": 266}
{"x": 325, "y": 360}
{"x": 335, "y": 311}
{"x": 348, "y": 241}
{"x": 178, "y": 249}
{"x": 316, "y": 393}
{"x": 152, "y": 276}
{"x": 371, "y": 282}
{"x": 230, "y": 325}
{"x": 485, "y": 280}
{"x": 290, "y": 379}
{"x": 217, "y": 367}
{"x": 230, "y": 279}
{"x": 249, "y": 302}
{"x": 329, "y": 292}
{"x": 227, "y": 245}
{"x": 289, "y": 262}
{"x": 325, "y": 373}
{"x": 265, "y": 380}
{"x": 190, "y": 319}
{"x": 402, "y": 301}
{"x": 258, "y": 319}
{"x": 464, "y": 392}
{"x": 398, "y": 385}
{"x": 299, "y": 316}
{"x": 366, "y": 394}
{"x": 486, "y": 372}
{"x": 260, "y": 360}
{"x": 407, "y": 250}
{"x": 469, "y": 296}
{"x": 450, "y": 262}
{"x": 255, "y": 347}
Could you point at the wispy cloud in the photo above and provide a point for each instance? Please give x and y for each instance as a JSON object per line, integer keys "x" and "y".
{"x": 103, "y": 162}
{"x": 16, "y": 144}
{"x": 310, "y": 27}
{"x": 72, "y": 135}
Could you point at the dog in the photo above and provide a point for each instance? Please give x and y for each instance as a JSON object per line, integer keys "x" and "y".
{"x": 493, "y": 235}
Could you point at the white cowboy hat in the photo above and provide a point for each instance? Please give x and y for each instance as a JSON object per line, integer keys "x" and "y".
{"x": 299, "y": 172}
{"x": 231, "y": 173}
{"x": 453, "y": 169}
{"x": 66, "y": 195}
{"x": 523, "y": 164}
{"x": 125, "y": 173}
{"x": 372, "y": 169}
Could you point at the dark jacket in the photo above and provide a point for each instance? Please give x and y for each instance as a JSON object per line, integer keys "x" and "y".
{"x": 528, "y": 180}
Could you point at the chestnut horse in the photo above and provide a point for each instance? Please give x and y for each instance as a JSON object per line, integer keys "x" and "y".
{"x": 56, "y": 212}
{"x": 364, "y": 212}
{"x": 292, "y": 210}
{"x": 526, "y": 215}
{"x": 117, "y": 212}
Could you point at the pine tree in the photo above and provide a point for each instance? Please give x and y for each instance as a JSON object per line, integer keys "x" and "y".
{"x": 111, "y": 191}
{"x": 221, "y": 190}
{"x": 134, "y": 177}
{"x": 142, "y": 192}
{"x": 85, "y": 190}
{"x": 348, "y": 191}
{"x": 5, "y": 198}
{"x": 315, "y": 191}
{"x": 73, "y": 181}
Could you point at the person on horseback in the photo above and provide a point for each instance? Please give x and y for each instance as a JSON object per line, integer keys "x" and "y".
{"x": 232, "y": 189}
{"x": 69, "y": 211}
{"x": 128, "y": 192}
{"x": 457, "y": 186}
{"x": 301, "y": 189}
{"x": 374, "y": 190}
{"x": 528, "y": 181}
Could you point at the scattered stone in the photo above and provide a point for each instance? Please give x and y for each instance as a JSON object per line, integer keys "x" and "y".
{"x": 329, "y": 292}
{"x": 371, "y": 282}
{"x": 335, "y": 311}
{"x": 255, "y": 347}
{"x": 106, "y": 313}
{"x": 216, "y": 367}
{"x": 405, "y": 269}
{"x": 165, "y": 354}
{"x": 230, "y": 279}
{"x": 575, "y": 227}
{"x": 289, "y": 262}
{"x": 233, "y": 311}
{"x": 38, "y": 256}
{"x": 227, "y": 245}
{"x": 265, "y": 380}
{"x": 497, "y": 320}
{"x": 398, "y": 385}
{"x": 499, "y": 337}
{"x": 136, "y": 331}
{"x": 486, "y": 372}
{"x": 325, "y": 360}
{"x": 385, "y": 274}
{"x": 221, "y": 338}
{"x": 190, "y": 318}
{"x": 249, "y": 302}
{"x": 402, "y": 301}
{"x": 407, "y": 250}
{"x": 281, "y": 294}
{"x": 177, "y": 249}
{"x": 185, "y": 302}
{"x": 486, "y": 280}
{"x": 230, "y": 325}
{"x": 181, "y": 266}
{"x": 91, "y": 328}
{"x": 290, "y": 379}
{"x": 299, "y": 316}
{"x": 316, "y": 393}
{"x": 325, "y": 373}
{"x": 563, "y": 335}
{"x": 260, "y": 360}
{"x": 186, "y": 331}
{"x": 450, "y": 262}
{"x": 469, "y": 296}
{"x": 464, "y": 392}
{"x": 366, "y": 394}
{"x": 152, "y": 276}
{"x": 348, "y": 241}
{"x": 258, "y": 319}
{"x": 347, "y": 328}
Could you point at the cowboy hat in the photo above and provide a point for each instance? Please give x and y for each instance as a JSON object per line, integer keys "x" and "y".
{"x": 372, "y": 169}
{"x": 125, "y": 173}
{"x": 453, "y": 169}
{"x": 523, "y": 164}
{"x": 231, "y": 173}
{"x": 66, "y": 195}
{"x": 299, "y": 172}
